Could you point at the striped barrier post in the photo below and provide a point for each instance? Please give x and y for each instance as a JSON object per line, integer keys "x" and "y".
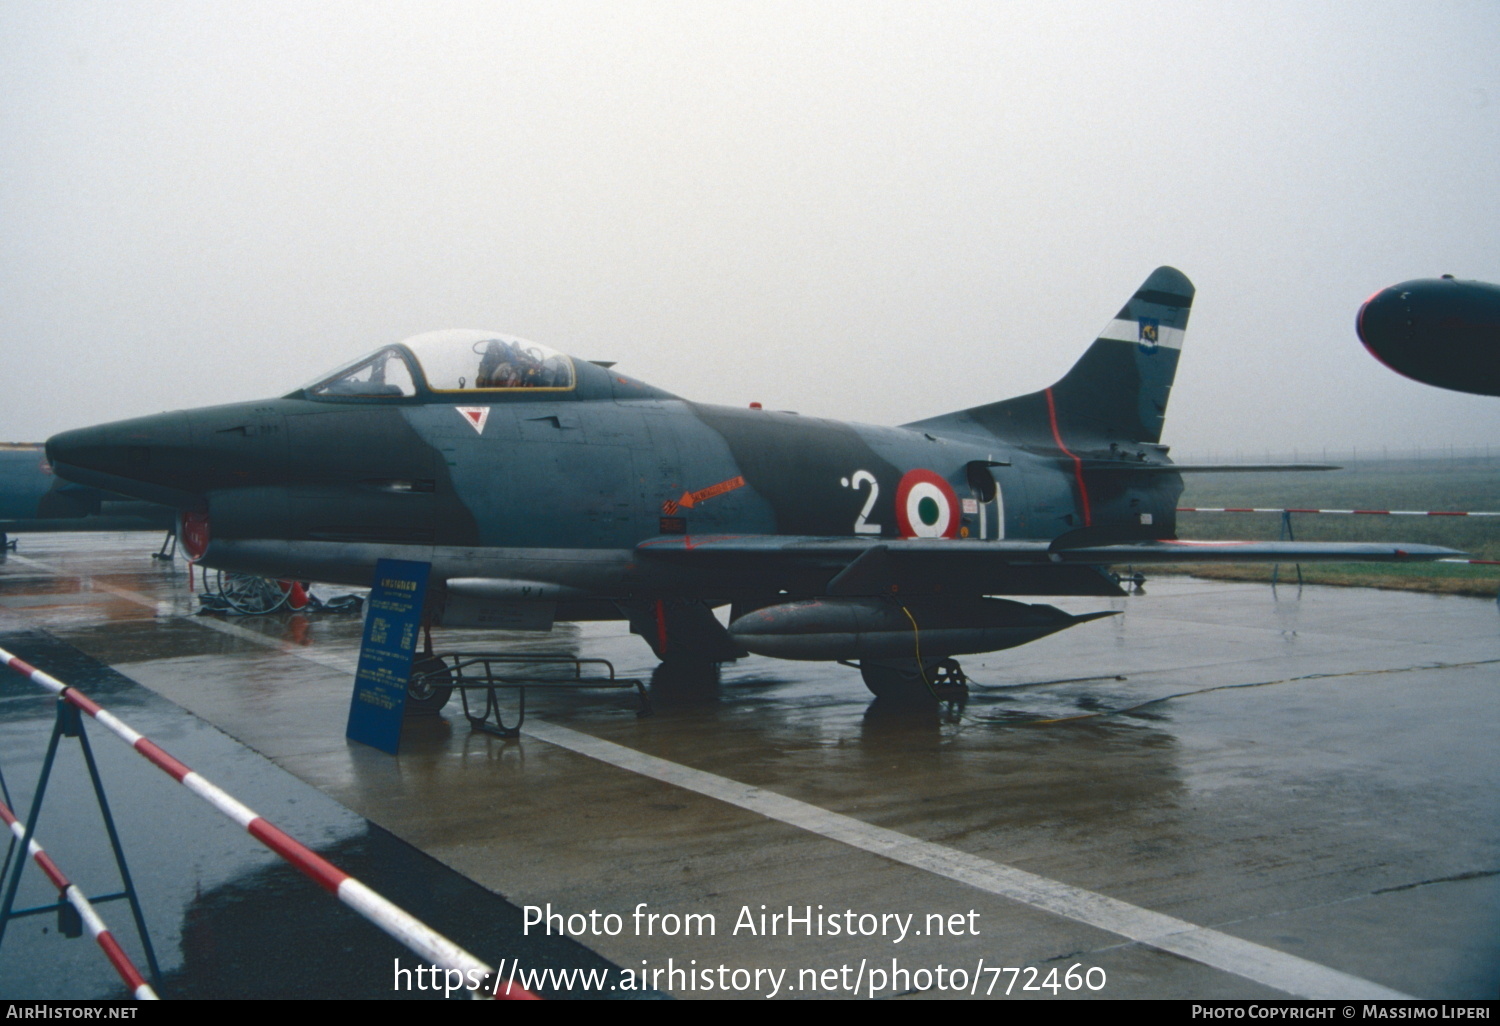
{"x": 67, "y": 891}
{"x": 1363, "y": 512}
{"x": 400, "y": 924}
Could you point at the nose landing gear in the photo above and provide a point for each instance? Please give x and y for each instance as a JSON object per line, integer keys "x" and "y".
{"x": 910, "y": 681}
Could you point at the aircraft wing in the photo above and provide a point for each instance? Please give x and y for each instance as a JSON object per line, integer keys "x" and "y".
{"x": 874, "y": 566}
{"x": 865, "y": 566}
{"x": 1129, "y": 467}
{"x": 1174, "y": 551}
{"x": 814, "y": 551}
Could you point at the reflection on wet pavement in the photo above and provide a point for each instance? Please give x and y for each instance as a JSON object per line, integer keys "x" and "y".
{"x": 1312, "y": 772}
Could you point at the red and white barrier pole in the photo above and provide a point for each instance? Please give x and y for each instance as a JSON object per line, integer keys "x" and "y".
{"x": 66, "y": 890}
{"x": 1364, "y": 512}
{"x": 404, "y": 927}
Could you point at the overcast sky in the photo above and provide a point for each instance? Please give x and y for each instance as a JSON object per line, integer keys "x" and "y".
{"x": 865, "y": 210}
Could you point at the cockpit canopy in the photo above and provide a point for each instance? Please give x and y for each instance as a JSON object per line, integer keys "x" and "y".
{"x": 457, "y": 361}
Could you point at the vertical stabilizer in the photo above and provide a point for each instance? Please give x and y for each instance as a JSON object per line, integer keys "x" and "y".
{"x": 1116, "y": 392}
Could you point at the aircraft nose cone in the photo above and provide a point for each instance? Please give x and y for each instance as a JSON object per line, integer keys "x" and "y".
{"x": 1438, "y": 331}
{"x": 127, "y": 447}
{"x": 146, "y": 457}
{"x": 1384, "y": 326}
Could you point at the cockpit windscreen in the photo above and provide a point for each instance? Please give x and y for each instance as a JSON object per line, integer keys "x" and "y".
{"x": 451, "y": 361}
{"x": 383, "y": 374}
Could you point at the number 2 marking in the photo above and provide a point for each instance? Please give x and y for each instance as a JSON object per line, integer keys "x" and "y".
{"x": 862, "y": 524}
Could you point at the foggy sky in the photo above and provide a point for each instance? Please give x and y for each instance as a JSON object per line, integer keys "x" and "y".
{"x": 865, "y": 210}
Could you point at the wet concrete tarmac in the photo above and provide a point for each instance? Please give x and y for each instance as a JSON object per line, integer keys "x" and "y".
{"x": 1222, "y": 792}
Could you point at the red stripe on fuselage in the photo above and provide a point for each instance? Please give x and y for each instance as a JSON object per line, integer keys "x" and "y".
{"x": 661, "y": 628}
{"x": 1083, "y": 491}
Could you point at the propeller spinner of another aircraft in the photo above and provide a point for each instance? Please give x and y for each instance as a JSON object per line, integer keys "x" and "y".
{"x": 543, "y": 488}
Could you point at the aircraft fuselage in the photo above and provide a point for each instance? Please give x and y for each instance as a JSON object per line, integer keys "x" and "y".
{"x": 562, "y": 490}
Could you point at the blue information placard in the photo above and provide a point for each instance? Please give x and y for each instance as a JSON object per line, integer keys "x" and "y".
{"x": 393, "y": 620}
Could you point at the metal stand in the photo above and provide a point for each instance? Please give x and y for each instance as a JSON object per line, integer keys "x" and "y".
{"x": 949, "y": 683}
{"x": 491, "y": 672}
{"x": 168, "y": 550}
{"x": 69, "y": 723}
{"x": 1286, "y": 535}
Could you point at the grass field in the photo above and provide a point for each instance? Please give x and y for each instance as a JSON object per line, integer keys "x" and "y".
{"x": 1458, "y": 484}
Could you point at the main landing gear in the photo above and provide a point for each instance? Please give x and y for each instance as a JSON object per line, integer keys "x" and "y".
{"x": 911, "y": 682}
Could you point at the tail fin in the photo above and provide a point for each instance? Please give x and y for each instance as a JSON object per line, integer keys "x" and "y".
{"x": 1117, "y": 391}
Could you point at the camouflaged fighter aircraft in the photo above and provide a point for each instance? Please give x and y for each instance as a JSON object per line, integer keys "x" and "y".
{"x": 544, "y": 488}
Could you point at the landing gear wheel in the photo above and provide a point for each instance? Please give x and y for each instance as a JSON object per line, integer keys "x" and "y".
{"x": 429, "y": 687}
{"x": 907, "y": 681}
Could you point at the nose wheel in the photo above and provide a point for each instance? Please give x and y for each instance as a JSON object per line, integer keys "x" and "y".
{"x": 429, "y": 687}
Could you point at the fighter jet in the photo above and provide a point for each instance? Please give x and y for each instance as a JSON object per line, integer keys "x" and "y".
{"x": 1438, "y": 331}
{"x": 33, "y": 499}
{"x": 542, "y": 488}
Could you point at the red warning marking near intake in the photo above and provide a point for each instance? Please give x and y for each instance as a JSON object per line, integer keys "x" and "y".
{"x": 691, "y": 499}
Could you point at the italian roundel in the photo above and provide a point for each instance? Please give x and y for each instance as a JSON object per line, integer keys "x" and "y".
{"x": 926, "y": 506}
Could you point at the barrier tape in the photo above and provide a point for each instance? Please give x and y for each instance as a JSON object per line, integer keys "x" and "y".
{"x": 404, "y": 927}
{"x": 66, "y": 890}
